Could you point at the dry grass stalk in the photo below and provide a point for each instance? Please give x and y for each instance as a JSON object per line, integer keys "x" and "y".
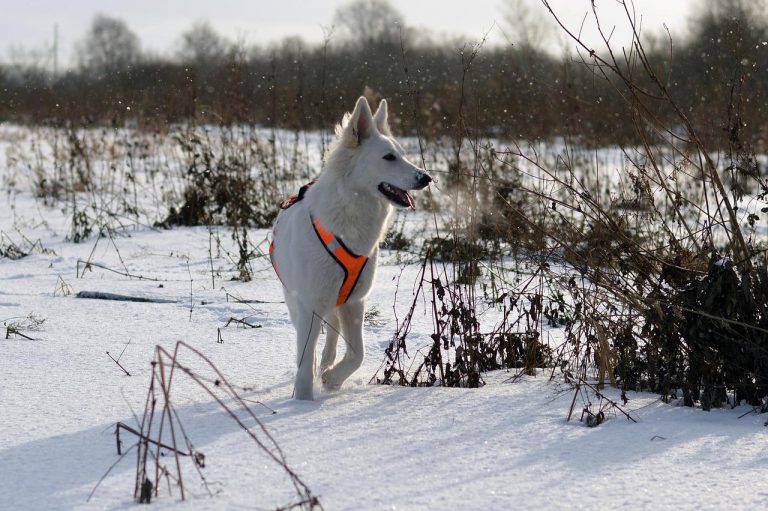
{"x": 160, "y": 419}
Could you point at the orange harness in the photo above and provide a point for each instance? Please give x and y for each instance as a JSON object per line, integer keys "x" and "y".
{"x": 351, "y": 263}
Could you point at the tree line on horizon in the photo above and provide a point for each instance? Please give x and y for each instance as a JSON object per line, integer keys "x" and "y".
{"x": 718, "y": 74}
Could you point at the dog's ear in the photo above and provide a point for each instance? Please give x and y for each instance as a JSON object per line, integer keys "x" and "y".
{"x": 360, "y": 125}
{"x": 381, "y": 119}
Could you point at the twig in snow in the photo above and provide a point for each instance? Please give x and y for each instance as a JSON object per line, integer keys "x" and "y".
{"x": 238, "y": 299}
{"x": 593, "y": 419}
{"x": 30, "y": 322}
{"x": 142, "y": 437}
{"x": 191, "y": 301}
{"x": 613, "y": 403}
{"x": 11, "y": 330}
{"x": 753, "y": 410}
{"x": 116, "y": 361}
{"x": 87, "y": 265}
{"x": 272, "y": 410}
{"x": 240, "y": 322}
{"x": 62, "y": 288}
{"x": 210, "y": 255}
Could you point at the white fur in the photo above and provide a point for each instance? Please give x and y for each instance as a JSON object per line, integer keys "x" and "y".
{"x": 347, "y": 201}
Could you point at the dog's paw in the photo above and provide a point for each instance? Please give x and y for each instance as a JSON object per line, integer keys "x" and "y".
{"x": 304, "y": 392}
{"x": 329, "y": 382}
{"x": 304, "y": 395}
{"x": 323, "y": 369}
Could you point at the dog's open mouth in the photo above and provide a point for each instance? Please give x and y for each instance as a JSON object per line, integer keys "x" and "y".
{"x": 397, "y": 196}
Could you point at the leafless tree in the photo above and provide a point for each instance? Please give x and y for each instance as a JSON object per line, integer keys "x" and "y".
{"x": 369, "y": 22}
{"x": 109, "y": 46}
{"x": 202, "y": 45}
{"x": 524, "y": 25}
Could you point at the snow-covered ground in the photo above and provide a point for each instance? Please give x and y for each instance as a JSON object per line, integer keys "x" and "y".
{"x": 506, "y": 445}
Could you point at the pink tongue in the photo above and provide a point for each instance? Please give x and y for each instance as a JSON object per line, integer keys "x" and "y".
{"x": 409, "y": 198}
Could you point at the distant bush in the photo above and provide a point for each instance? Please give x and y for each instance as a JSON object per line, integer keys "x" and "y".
{"x": 230, "y": 178}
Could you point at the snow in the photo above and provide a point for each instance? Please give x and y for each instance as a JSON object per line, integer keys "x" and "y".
{"x": 506, "y": 445}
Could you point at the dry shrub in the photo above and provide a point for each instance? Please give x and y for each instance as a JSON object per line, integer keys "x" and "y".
{"x": 227, "y": 180}
{"x": 165, "y": 451}
{"x": 652, "y": 266}
{"x": 670, "y": 296}
{"x": 458, "y": 352}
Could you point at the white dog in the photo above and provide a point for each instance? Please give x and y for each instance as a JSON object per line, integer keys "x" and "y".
{"x": 326, "y": 241}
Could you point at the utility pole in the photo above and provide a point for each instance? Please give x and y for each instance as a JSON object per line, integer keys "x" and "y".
{"x": 55, "y": 50}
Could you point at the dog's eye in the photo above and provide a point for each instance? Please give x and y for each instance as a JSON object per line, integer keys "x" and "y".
{"x": 389, "y": 157}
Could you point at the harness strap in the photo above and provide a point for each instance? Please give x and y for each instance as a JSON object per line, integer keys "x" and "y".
{"x": 285, "y": 204}
{"x": 351, "y": 263}
{"x": 293, "y": 199}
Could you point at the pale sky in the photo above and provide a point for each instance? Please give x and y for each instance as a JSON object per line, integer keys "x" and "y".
{"x": 28, "y": 24}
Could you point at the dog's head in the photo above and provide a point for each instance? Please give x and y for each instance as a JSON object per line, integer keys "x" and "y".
{"x": 374, "y": 162}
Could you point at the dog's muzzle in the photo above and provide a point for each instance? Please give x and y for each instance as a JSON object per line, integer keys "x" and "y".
{"x": 423, "y": 179}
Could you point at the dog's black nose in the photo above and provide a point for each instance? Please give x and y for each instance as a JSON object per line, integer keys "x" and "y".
{"x": 424, "y": 179}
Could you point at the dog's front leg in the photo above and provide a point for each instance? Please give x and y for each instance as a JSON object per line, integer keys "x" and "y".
{"x": 351, "y": 318}
{"x": 307, "y": 332}
{"x": 331, "y": 339}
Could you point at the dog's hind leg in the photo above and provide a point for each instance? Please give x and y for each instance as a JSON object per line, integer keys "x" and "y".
{"x": 351, "y": 317}
{"x": 307, "y": 325}
{"x": 331, "y": 340}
